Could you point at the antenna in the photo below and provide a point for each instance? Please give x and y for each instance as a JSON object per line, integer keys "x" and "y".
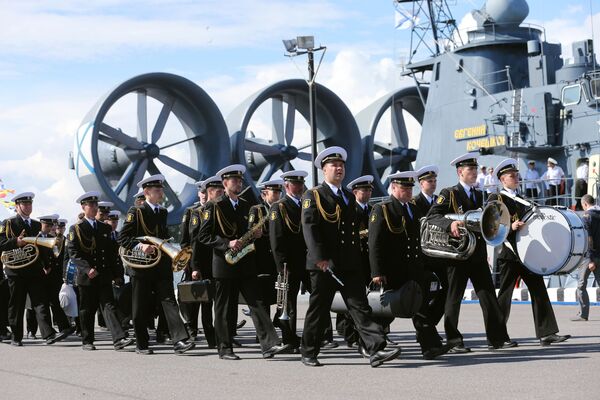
{"x": 433, "y": 24}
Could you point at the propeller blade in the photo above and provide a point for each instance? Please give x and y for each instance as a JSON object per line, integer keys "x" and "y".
{"x": 290, "y": 119}
{"x": 264, "y": 149}
{"x": 277, "y": 119}
{"x": 142, "y": 116}
{"x": 399, "y": 132}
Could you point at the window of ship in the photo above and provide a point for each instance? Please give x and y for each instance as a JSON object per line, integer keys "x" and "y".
{"x": 595, "y": 86}
{"x": 571, "y": 95}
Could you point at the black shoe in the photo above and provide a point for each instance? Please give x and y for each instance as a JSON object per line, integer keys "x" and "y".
{"x": 579, "y": 318}
{"x": 270, "y": 353}
{"x": 363, "y": 352}
{"x": 240, "y": 324}
{"x": 311, "y": 362}
{"x": 88, "y": 347}
{"x": 329, "y": 344}
{"x": 229, "y": 356}
{"x": 458, "y": 349}
{"x": 62, "y": 335}
{"x": 51, "y": 339}
{"x": 383, "y": 356}
{"x": 144, "y": 352}
{"x": 122, "y": 343}
{"x": 435, "y": 352}
{"x": 503, "y": 345}
{"x": 161, "y": 338}
{"x": 183, "y": 346}
{"x": 16, "y": 343}
{"x": 235, "y": 343}
{"x": 390, "y": 342}
{"x": 548, "y": 340}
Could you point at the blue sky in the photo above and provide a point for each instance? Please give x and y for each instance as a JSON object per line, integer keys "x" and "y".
{"x": 58, "y": 57}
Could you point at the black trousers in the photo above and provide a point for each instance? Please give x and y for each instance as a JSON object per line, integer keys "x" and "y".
{"x": 289, "y": 327}
{"x": 553, "y": 191}
{"x": 476, "y": 269}
{"x": 581, "y": 188}
{"x": 59, "y": 318}
{"x": 142, "y": 295}
{"x": 543, "y": 314}
{"x": 19, "y": 288}
{"x": 4, "y": 298}
{"x": 189, "y": 312}
{"x": 437, "y": 303}
{"x": 226, "y": 306}
{"x": 318, "y": 314}
{"x": 531, "y": 193}
{"x": 91, "y": 297}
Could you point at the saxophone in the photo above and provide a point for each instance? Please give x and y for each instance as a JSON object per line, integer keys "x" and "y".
{"x": 247, "y": 242}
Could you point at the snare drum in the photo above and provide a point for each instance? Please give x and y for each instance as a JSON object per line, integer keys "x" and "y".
{"x": 553, "y": 241}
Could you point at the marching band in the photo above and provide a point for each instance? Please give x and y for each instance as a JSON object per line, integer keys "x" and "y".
{"x": 419, "y": 251}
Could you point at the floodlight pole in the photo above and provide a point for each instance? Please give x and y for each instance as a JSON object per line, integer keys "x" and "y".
{"x": 312, "y": 94}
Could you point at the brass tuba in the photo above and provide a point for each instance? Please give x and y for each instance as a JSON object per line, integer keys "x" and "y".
{"x": 24, "y": 256}
{"x": 493, "y": 222}
{"x": 136, "y": 258}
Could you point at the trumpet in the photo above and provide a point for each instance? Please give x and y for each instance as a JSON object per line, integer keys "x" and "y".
{"x": 28, "y": 254}
{"x": 282, "y": 286}
{"x": 136, "y": 258}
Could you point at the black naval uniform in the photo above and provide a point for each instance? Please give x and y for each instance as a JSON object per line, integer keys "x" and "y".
{"x": 287, "y": 244}
{"x": 454, "y": 200}
{"x": 122, "y": 293}
{"x": 330, "y": 231}
{"x": 189, "y": 311}
{"x": 221, "y": 223}
{"x": 25, "y": 281}
{"x": 202, "y": 262}
{"x": 343, "y": 322}
{"x": 144, "y": 221}
{"x": 511, "y": 268}
{"x": 265, "y": 264}
{"x": 93, "y": 245}
{"x": 53, "y": 283}
{"x": 395, "y": 252}
{"x": 435, "y": 265}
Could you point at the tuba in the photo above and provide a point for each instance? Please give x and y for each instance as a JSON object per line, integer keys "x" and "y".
{"x": 136, "y": 258}
{"x": 28, "y": 254}
{"x": 493, "y": 222}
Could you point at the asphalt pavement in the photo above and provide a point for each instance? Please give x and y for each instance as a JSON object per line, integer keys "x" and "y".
{"x": 566, "y": 370}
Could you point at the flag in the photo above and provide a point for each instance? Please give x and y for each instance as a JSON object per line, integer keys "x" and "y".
{"x": 404, "y": 19}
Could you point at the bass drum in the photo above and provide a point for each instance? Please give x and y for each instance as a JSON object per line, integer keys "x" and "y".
{"x": 553, "y": 241}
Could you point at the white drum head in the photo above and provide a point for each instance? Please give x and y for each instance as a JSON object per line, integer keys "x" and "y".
{"x": 544, "y": 244}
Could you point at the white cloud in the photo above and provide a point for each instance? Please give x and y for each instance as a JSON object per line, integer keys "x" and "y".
{"x": 82, "y": 29}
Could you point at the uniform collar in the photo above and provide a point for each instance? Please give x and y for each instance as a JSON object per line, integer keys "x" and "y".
{"x": 427, "y": 197}
{"x": 154, "y": 207}
{"x": 333, "y": 188}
